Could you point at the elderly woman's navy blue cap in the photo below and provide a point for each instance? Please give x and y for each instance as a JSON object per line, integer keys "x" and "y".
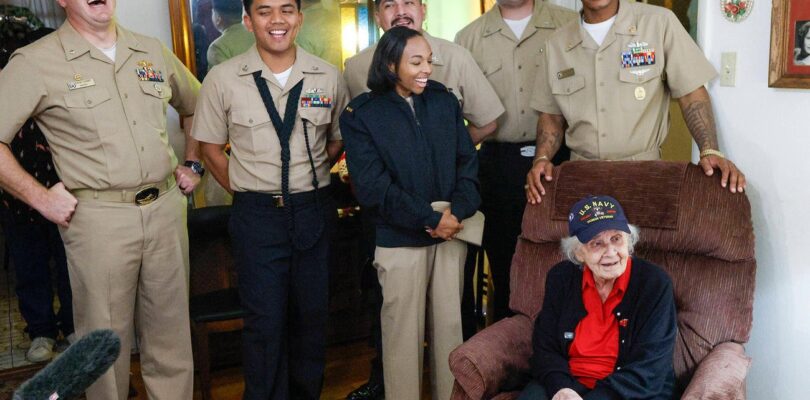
{"x": 594, "y": 215}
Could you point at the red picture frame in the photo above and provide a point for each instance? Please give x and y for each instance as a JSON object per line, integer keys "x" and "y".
{"x": 790, "y": 53}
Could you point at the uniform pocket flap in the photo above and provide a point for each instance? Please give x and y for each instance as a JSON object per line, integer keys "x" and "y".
{"x": 491, "y": 66}
{"x": 568, "y": 85}
{"x": 157, "y": 89}
{"x": 87, "y": 98}
{"x": 640, "y": 74}
{"x": 250, "y": 118}
{"x": 317, "y": 116}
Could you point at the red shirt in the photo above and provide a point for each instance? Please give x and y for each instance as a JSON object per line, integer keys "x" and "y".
{"x": 593, "y": 353}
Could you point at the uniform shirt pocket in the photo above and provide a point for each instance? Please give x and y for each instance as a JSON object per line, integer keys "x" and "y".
{"x": 157, "y": 96}
{"x": 493, "y": 70}
{"x": 251, "y": 131}
{"x": 86, "y": 111}
{"x": 638, "y": 86}
{"x": 565, "y": 92}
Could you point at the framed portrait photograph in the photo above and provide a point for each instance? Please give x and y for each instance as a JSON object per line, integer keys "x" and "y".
{"x": 208, "y": 32}
{"x": 790, "y": 44}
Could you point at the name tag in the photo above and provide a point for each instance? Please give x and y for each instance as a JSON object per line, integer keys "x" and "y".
{"x": 565, "y": 73}
{"x": 81, "y": 84}
{"x": 527, "y": 151}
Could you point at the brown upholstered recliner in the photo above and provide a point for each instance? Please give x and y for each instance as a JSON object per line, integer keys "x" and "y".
{"x": 700, "y": 233}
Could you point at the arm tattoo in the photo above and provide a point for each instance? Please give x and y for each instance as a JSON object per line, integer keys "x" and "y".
{"x": 549, "y": 137}
{"x": 700, "y": 121}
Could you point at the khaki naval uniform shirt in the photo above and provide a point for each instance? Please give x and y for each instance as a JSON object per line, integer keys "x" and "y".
{"x": 511, "y": 64}
{"x": 453, "y": 67}
{"x": 105, "y": 123}
{"x": 617, "y": 111}
{"x": 231, "y": 110}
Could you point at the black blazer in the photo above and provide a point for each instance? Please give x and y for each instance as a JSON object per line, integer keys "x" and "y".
{"x": 400, "y": 162}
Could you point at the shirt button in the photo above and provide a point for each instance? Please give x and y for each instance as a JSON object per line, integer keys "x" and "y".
{"x": 89, "y": 102}
{"x": 618, "y": 368}
{"x": 622, "y": 340}
{"x": 523, "y": 111}
{"x": 142, "y": 149}
{"x": 602, "y": 109}
{"x": 618, "y": 314}
{"x": 605, "y": 135}
{"x": 134, "y": 122}
{"x": 520, "y": 67}
{"x": 521, "y": 90}
{"x": 126, "y": 96}
{"x": 601, "y": 83}
{"x": 541, "y": 50}
{"x": 250, "y": 121}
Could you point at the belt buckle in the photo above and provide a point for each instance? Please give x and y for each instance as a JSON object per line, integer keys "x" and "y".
{"x": 278, "y": 201}
{"x": 146, "y": 195}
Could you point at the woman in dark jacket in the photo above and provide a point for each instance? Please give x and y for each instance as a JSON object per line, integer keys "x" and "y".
{"x": 406, "y": 148}
{"x": 607, "y": 327}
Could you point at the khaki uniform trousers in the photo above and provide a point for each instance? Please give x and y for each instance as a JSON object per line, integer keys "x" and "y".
{"x": 128, "y": 262}
{"x": 411, "y": 277}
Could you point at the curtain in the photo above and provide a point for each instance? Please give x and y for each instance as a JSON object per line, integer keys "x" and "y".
{"x": 48, "y": 11}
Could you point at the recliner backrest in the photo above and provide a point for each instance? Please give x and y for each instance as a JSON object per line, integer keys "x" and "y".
{"x": 699, "y": 232}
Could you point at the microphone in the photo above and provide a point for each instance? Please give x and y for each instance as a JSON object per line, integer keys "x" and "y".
{"x": 70, "y": 374}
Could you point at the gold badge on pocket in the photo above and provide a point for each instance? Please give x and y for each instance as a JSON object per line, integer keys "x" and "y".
{"x": 640, "y": 93}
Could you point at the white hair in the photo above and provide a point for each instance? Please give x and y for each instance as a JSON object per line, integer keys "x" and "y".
{"x": 570, "y": 245}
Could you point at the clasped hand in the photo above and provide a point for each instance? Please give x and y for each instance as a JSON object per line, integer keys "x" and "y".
{"x": 449, "y": 226}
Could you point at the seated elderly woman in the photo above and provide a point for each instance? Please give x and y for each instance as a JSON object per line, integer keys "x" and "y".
{"x": 607, "y": 327}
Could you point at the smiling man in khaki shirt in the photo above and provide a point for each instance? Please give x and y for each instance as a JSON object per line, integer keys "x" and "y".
{"x": 100, "y": 92}
{"x": 278, "y": 106}
{"x": 508, "y": 42}
{"x": 614, "y": 93}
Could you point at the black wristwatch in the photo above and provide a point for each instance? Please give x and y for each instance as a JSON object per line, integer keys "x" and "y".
{"x": 195, "y": 166}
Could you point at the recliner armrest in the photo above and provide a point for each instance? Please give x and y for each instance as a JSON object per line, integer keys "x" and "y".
{"x": 721, "y": 374}
{"x": 487, "y": 362}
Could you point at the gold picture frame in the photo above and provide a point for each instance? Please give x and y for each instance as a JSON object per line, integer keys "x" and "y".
{"x": 784, "y": 70}
{"x": 182, "y": 37}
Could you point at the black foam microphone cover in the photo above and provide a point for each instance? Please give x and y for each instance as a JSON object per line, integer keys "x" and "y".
{"x": 69, "y": 375}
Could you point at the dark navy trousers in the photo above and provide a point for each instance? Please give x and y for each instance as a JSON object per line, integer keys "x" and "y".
{"x": 31, "y": 248}
{"x": 285, "y": 292}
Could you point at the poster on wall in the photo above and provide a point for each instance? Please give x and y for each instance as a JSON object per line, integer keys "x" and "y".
{"x": 790, "y": 44}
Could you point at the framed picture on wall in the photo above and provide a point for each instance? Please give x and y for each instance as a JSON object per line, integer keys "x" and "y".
{"x": 208, "y": 32}
{"x": 790, "y": 44}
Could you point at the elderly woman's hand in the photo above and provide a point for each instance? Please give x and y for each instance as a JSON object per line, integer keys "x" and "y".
{"x": 566, "y": 394}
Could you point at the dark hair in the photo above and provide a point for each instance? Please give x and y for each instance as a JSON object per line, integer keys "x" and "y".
{"x": 230, "y": 9}
{"x": 249, "y": 3}
{"x": 802, "y": 27}
{"x": 389, "y": 51}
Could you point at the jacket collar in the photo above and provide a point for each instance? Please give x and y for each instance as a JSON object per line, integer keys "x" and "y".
{"x": 541, "y": 19}
{"x": 626, "y": 24}
{"x": 304, "y": 64}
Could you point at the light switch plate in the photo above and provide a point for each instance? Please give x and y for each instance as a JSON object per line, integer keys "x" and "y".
{"x": 728, "y": 69}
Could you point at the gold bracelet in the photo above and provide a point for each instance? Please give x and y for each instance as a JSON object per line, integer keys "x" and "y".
{"x": 712, "y": 152}
{"x": 537, "y": 159}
